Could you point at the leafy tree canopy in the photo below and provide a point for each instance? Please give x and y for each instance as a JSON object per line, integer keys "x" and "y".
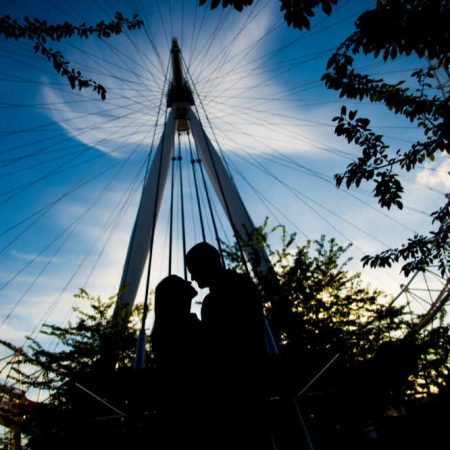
{"x": 418, "y": 29}
{"x": 87, "y": 374}
{"x": 378, "y": 358}
{"x": 87, "y": 348}
{"x": 296, "y": 12}
{"x": 39, "y": 31}
{"x": 320, "y": 310}
{"x": 411, "y": 28}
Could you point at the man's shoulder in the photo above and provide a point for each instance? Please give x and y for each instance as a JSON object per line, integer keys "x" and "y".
{"x": 232, "y": 275}
{"x": 238, "y": 281}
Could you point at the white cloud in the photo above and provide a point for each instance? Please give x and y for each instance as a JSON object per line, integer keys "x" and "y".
{"x": 32, "y": 257}
{"x": 438, "y": 177}
{"x": 226, "y": 75}
{"x": 108, "y": 127}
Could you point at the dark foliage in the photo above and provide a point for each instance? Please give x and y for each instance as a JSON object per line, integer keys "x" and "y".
{"x": 411, "y": 28}
{"x": 393, "y": 29}
{"x": 239, "y": 5}
{"x": 386, "y": 367}
{"x": 296, "y": 12}
{"x": 382, "y": 362}
{"x": 40, "y": 32}
{"x": 93, "y": 355}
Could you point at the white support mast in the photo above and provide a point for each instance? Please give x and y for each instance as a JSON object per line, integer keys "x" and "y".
{"x": 181, "y": 118}
{"x": 144, "y": 225}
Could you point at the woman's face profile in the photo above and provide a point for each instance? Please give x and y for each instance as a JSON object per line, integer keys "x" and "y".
{"x": 189, "y": 290}
{"x": 175, "y": 290}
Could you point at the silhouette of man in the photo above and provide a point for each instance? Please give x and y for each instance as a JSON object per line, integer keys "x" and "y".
{"x": 232, "y": 311}
{"x": 234, "y": 346}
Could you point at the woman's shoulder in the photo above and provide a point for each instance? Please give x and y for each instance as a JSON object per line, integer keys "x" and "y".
{"x": 194, "y": 324}
{"x": 194, "y": 318}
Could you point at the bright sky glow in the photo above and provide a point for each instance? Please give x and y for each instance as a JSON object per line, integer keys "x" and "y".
{"x": 72, "y": 165}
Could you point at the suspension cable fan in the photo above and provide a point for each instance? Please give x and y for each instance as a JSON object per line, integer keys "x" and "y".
{"x": 180, "y": 119}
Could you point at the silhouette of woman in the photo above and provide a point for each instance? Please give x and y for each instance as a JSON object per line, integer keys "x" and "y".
{"x": 176, "y": 340}
{"x": 176, "y": 330}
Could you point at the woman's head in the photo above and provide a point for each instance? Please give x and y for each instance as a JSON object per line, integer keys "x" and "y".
{"x": 173, "y": 296}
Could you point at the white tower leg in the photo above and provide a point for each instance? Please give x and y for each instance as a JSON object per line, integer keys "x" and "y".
{"x": 180, "y": 99}
{"x": 144, "y": 226}
{"x": 227, "y": 192}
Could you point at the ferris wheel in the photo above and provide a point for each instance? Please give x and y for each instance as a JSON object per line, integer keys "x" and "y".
{"x": 425, "y": 298}
{"x": 78, "y": 173}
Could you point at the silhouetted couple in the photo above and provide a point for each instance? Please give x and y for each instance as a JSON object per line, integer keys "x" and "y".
{"x": 213, "y": 365}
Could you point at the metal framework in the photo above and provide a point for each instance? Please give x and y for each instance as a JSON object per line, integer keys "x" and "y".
{"x": 181, "y": 118}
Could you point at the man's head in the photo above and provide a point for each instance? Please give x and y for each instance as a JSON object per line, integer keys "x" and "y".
{"x": 204, "y": 264}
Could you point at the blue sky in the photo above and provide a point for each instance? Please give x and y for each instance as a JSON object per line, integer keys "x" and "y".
{"x": 72, "y": 165}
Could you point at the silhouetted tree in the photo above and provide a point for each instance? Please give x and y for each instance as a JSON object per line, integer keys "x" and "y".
{"x": 90, "y": 359}
{"x": 420, "y": 30}
{"x": 40, "y": 32}
{"x": 296, "y": 12}
{"x": 320, "y": 311}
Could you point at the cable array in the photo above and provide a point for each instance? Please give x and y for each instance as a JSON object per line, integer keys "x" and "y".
{"x": 68, "y": 160}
